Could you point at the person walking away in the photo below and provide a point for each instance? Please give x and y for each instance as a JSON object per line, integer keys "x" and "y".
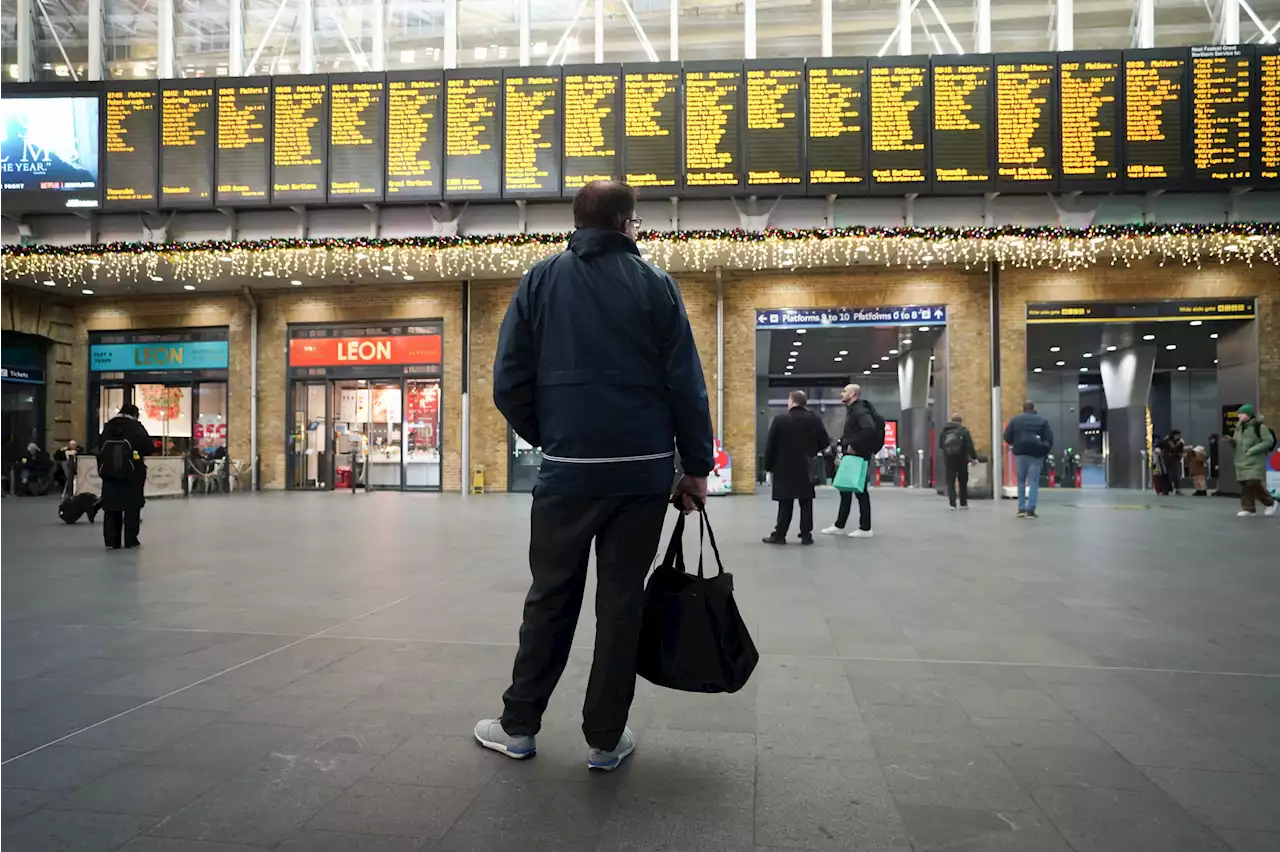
{"x": 863, "y": 435}
{"x": 1029, "y": 436}
{"x": 1253, "y": 441}
{"x": 1173, "y": 449}
{"x": 958, "y": 453}
{"x": 596, "y": 364}
{"x": 795, "y": 439}
{"x": 1197, "y": 467}
{"x": 122, "y": 468}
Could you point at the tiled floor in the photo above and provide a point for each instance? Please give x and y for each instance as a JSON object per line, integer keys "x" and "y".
{"x": 302, "y": 672}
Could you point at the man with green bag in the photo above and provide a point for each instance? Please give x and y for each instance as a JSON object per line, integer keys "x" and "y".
{"x": 862, "y": 438}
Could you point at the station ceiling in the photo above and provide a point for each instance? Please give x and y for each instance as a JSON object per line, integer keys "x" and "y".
{"x": 845, "y": 351}
{"x": 1080, "y": 345}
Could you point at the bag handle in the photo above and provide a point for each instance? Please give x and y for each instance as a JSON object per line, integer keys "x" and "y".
{"x": 675, "y": 548}
{"x": 704, "y": 527}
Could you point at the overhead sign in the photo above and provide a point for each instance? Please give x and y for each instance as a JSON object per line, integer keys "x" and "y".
{"x": 1170, "y": 310}
{"x": 156, "y": 357}
{"x": 25, "y": 375}
{"x": 357, "y": 351}
{"x": 850, "y": 317}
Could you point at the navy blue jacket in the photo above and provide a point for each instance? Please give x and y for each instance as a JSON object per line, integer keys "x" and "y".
{"x": 596, "y": 365}
{"x": 1029, "y": 435}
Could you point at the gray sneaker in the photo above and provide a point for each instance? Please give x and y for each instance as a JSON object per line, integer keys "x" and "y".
{"x": 607, "y": 761}
{"x": 490, "y": 734}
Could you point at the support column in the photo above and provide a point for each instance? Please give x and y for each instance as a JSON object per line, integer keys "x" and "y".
{"x": 1145, "y": 24}
{"x": 674, "y": 31}
{"x": 599, "y": 31}
{"x": 1065, "y": 31}
{"x": 522, "y": 13}
{"x": 913, "y": 428}
{"x": 235, "y": 58}
{"x": 97, "y": 38}
{"x": 307, "y": 36}
{"x": 165, "y": 29}
{"x": 719, "y": 430}
{"x": 905, "y": 8}
{"x": 997, "y": 417}
{"x": 1229, "y": 26}
{"x": 749, "y": 29}
{"x": 1126, "y": 384}
{"x": 827, "y": 29}
{"x": 450, "y": 34}
{"x": 466, "y": 387}
{"x": 982, "y": 26}
{"x": 1237, "y": 384}
{"x": 379, "y": 56}
{"x": 26, "y": 26}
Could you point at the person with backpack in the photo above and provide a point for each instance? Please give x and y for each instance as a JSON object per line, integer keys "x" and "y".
{"x": 124, "y": 445}
{"x": 1253, "y": 442}
{"x": 957, "y": 454}
{"x": 1031, "y": 439}
{"x": 863, "y": 436}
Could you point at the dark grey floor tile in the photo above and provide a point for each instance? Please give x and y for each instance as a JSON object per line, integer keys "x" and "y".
{"x": 152, "y": 682}
{"x": 1226, "y": 799}
{"x": 304, "y": 711}
{"x": 520, "y": 816}
{"x": 222, "y": 745}
{"x": 284, "y": 767}
{"x": 692, "y": 767}
{"x": 180, "y": 844}
{"x": 919, "y": 722}
{"x": 1179, "y": 752}
{"x": 1066, "y": 767}
{"x": 871, "y": 689}
{"x": 72, "y": 831}
{"x": 19, "y": 803}
{"x": 147, "y": 728}
{"x": 826, "y": 804}
{"x": 338, "y": 684}
{"x": 314, "y": 840}
{"x": 966, "y": 830}
{"x": 1124, "y": 821}
{"x": 1250, "y": 841}
{"x": 957, "y": 774}
{"x": 404, "y": 810}
{"x": 215, "y": 695}
{"x": 651, "y": 827}
{"x": 142, "y": 790}
{"x": 348, "y": 733}
{"x": 804, "y": 736}
{"x": 687, "y": 711}
{"x": 437, "y": 761}
{"x": 1039, "y": 733}
{"x": 993, "y": 702}
{"x": 63, "y": 767}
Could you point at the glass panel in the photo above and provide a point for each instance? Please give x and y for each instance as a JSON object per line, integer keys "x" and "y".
{"x": 9, "y": 38}
{"x": 350, "y": 427}
{"x": 344, "y": 35}
{"x": 202, "y": 37}
{"x": 489, "y": 32}
{"x": 308, "y": 459}
{"x": 386, "y": 434}
{"x": 714, "y": 31}
{"x": 110, "y": 401}
{"x": 275, "y": 27}
{"x": 785, "y": 30}
{"x": 422, "y": 421}
{"x": 129, "y": 30}
{"x": 415, "y": 34}
{"x": 166, "y": 413}
{"x": 622, "y": 42}
{"x": 210, "y": 438}
{"x": 526, "y": 459}
{"x": 61, "y": 39}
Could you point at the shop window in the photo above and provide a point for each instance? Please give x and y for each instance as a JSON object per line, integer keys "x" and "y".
{"x": 165, "y": 411}
{"x": 110, "y": 401}
{"x": 422, "y": 409}
{"x": 210, "y": 430}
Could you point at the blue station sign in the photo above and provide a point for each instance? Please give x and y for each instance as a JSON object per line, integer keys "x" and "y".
{"x": 158, "y": 357}
{"x": 851, "y": 317}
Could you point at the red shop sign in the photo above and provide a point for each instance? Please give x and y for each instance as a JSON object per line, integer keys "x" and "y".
{"x": 346, "y": 351}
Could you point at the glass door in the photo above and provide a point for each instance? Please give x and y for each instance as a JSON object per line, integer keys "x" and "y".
{"x": 385, "y": 433}
{"x": 349, "y": 428}
{"x": 310, "y": 461}
{"x": 422, "y": 428}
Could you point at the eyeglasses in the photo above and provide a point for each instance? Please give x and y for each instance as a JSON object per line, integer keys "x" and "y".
{"x": 635, "y": 220}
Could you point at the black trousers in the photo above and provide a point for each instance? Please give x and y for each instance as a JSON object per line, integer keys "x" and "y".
{"x": 127, "y": 522}
{"x": 957, "y": 475}
{"x": 784, "y": 517}
{"x": 626, "y": 531}
{"x": 864, "y": 508}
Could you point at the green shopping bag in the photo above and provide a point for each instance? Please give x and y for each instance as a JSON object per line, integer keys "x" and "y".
{"x": 852, "y": 474}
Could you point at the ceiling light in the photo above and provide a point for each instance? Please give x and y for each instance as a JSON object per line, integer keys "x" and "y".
{"x": 1195, "y": 323}
{"x": 837, "y": 358}
{"x": 801, "y": 330}
{"x": 1037, "y": 370}
{"x": 1172, "y": 346}
{"x": 1084, "y": 369}
{"x": 1088, "y": 355}
{"x": 844, "y": 351}
{"x": 1213, "y": 336}
{"x": 295, "y": 282}
{"x": 1111, "y": 349}
{"x": 50, "y": 284}
{"x": 1182, "y": 369}
{"x": 87, "y": 292}
{"x": 1215, "y": 360}
{"x": 892, "y": 352}
{"x": 866, "y": 372}
{"x": 156, "y": 278}
{"x": 386, "y": 267}
{"x": 408, "y": 278}
{"x": 794, "y": 352}
{"x": 906, "y": 341}
{"x": 1148, "y": 337}
{"x": 1055, "y": 348}
{"x": 791, "y": 360}
{"x": 875, "y": 366}
{"x": 1062, "y": 363}
{"x": 884, "y": 357}
{"x": 924, "y": 328}
{"x": 933, "y": 357}
{"x": 188, "y": 286}
{"x": 797, "y": 343}
{"x": 268, "y": 273}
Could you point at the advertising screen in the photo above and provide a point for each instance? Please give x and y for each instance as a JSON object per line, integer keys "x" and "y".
{"x": 49, "y": 153}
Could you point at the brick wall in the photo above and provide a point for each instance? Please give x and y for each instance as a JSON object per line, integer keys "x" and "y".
{"x": 1146, "y": 281}
{"x": 489, "y": 300}
{"x": 33, "y": 312}
{"x": 282, "y": 308}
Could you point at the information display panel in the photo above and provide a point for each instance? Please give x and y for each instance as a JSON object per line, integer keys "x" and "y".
{"x": 1026, "y": 122}
{"x": 1089, "y": 87}
{"x": 962, "y": 136}
{"x": 592, "y": 125}
{"x": 1221, "y": 114}
{"x": 299, "y": 138}
{"x": 244, "y": 141}
{"x": 899, "y": 94}
{"x": 473, "y": 133}
{"x": 357, "y": 137}
{"x": 836, "y": 96}
{"x": 131, "y": 145}
{"x": 1154, "y": 118}
{"x": 713, "y": 127}
{"x": 415, "y": 134}
{"x": 1267, "y": 62}
{"x": 773, "y": 125}
{"x": 651, "y": 110}
{"x": 188, "y": 137}
{"x": 51, "y": 136}
{"x": 531, "y": 133}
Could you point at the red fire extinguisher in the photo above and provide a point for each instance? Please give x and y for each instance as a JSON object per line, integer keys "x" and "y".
{"x": 1053, "y": 479}
{"x": 1079, "y": 483}
{"x": 875, "y": 470}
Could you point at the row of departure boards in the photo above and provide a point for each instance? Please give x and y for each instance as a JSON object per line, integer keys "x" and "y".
{"x": 1104, "y": 120}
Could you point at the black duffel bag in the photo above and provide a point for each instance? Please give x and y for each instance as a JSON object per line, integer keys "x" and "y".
{"x": 693, "y": 638}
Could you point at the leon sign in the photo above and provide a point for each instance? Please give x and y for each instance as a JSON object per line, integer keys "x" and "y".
{"x": 353, "y": 351}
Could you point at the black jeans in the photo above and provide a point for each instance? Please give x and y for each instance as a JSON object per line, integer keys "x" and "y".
{"x": 784, "y": 517}
{"x": 1252, "y": 492}
{"x": 626, "y": 531}
{"x": 957, "y": 472}
{"x": 864, "y": 508}
{"x": 127, "y": 522}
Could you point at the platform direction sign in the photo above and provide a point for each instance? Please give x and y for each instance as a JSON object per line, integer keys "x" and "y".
{"x": 851, "y": 317}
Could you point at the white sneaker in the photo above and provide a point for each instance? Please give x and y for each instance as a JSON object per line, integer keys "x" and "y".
{"x": 1271, "y": 510}
{"x": 1243, "y": 514}
{"x": 860, "y": 534}
{"x": 833, "y": 531}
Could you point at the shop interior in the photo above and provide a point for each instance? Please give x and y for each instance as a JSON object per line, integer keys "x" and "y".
{"x": 901, "y": 370}
{"x": 379, "y": 433}
{"x": 184, "y": 418}
{"x": 1111, "y": 390}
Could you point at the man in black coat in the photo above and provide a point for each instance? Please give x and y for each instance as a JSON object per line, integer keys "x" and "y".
{"x": 958, "y": 453}
{"x": 859, "y": 437}
{"x": 794, "y": 439}
{"x": 122, "y": 499}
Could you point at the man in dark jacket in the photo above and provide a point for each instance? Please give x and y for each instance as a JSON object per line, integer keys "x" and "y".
{"x": 1029, "y": 436}
{"x": 958, "y": 453}
{"x": 596, "y": 364}
{"x": 794, "y": 439}
{"x": 858, "y": 438}
{"x": 122, "y": 499}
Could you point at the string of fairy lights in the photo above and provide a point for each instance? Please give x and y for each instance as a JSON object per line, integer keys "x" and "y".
{"x": 431, "y": 258}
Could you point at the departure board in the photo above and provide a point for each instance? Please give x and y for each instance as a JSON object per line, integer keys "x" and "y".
{"x": 531, "y": 146}
{"x": 1154, "y": 154}
{"x": 1026, "y": 122}
{"x": 299, "y": 139}
{"x": 1267, "y": 60}
{"x": 837, "y": 125}
{"x": 357, "y": 137}
{"x": 473, "y": 133}
{"x": 962, "y": 125}
{"x": 1221, "y": 113}
{"x": 1089, "y": 104}
{"x": 131, "y": 136}
{"x": 899, "y": 97}
{"x": 188, "y": 136}
{"x": 592, "y": 118}
{"x": 415, "y": 130}
{"x": 651, "y": 111}
{"x": 244, "y": 141}
{"x": 712, "y": 125}
{"x": 773, "y": 129}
